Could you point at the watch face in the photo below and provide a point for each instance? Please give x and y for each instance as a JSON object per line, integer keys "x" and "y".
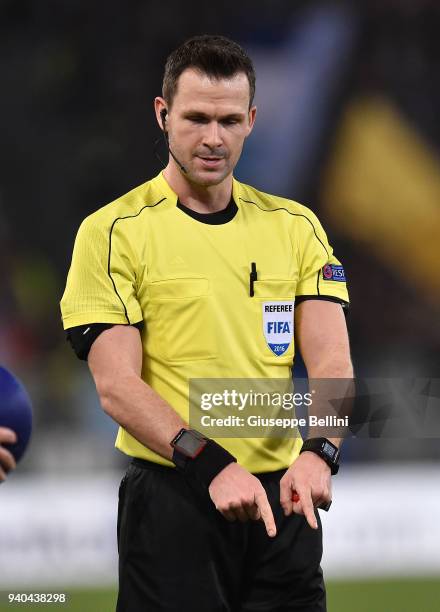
{"x": 190, "y": 445}
{"x": 329, "y": 450}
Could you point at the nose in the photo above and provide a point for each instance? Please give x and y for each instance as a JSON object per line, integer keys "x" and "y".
{"x": 211, "y": 136}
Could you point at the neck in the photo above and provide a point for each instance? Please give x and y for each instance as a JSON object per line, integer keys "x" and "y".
{"x": 203, "y": 199}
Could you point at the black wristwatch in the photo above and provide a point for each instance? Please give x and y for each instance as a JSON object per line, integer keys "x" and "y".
{"x": 198, "y": 456}
{"x": 188, "y": 444}
{"x": 324, "y": 449}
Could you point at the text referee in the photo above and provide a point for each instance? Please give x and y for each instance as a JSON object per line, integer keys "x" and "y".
{"x": 170, "y": 282}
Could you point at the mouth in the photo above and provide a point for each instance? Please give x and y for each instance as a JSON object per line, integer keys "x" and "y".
{"x": 209, "y": 161}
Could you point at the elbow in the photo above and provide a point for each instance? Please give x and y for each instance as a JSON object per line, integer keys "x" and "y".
{"x": 105, "y": 388}
{"x": 334, "y": 368}
{"x": 115, "y": 396}
{"x": 341, "y": 369}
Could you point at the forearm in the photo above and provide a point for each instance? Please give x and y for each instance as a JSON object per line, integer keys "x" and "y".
{"x": 141, "y": 411}
{"x": 332, "y": 382}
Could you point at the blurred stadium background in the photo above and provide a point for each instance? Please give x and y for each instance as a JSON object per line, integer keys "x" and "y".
{"x": 349, "y": 98}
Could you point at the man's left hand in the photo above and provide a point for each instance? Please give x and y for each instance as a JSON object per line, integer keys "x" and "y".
{"x": 310, "y": 477}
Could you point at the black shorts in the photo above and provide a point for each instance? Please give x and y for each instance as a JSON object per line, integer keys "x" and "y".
{"x": 177, "y": 553}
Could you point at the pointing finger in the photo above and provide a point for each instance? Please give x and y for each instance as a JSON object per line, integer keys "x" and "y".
{"x": 322, "y": 504}
{"x": 266, "y": 513}
{"x": 305, "y": 499}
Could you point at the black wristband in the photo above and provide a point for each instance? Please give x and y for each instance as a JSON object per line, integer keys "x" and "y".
{"x": 324, "y": 449}
{"x": 205, "y": 467}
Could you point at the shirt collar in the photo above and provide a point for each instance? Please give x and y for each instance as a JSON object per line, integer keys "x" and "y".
{"x": 163, "y": 186}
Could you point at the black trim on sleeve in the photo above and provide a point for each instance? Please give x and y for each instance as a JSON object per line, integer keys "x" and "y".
{"x": 82, "y": 337}
{"x": 326, "y": 298}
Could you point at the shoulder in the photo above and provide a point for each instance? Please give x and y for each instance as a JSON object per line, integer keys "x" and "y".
{"x": 267, "y": 202}
{"x": 128, "y": 206}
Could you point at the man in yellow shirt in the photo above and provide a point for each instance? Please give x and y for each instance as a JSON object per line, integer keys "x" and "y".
{"x": 194, "y": 275}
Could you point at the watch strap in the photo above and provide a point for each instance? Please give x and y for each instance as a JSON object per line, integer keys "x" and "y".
{"x": 324, "y": 449}
{"x": 205, "y": 467}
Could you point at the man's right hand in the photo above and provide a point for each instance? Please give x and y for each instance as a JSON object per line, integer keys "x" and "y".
{"x": 237, "y": 494}
{"x": 7, "y": 461}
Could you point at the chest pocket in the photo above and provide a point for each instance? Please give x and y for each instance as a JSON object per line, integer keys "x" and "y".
{"x": 179, "y": 321}
{"x": 274, "y": 301}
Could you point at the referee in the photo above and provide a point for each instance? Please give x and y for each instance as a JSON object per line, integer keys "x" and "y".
{"x": 175, "y": 281}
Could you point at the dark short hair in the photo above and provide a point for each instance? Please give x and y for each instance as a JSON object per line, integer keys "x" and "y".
{"x": 216, "y": 56}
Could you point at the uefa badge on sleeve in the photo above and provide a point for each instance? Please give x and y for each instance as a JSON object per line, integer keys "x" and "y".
{"x": 333, "y": 273}
{"x": 278, "y": 325}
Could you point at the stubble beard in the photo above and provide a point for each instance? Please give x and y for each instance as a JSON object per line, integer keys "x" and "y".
{"x": 203, "y": 179}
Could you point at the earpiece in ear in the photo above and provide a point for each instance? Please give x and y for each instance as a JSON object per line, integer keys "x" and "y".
{"x": 163, "y": 116}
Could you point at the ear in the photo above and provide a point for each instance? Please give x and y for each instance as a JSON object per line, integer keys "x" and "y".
{"x": 159, "y": 106}
{"x": 252, "y": 116}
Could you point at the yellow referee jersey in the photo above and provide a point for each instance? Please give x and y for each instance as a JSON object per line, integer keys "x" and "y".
{"x": 143, "y": 258}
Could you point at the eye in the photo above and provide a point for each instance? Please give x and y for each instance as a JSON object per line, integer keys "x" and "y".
{"x": 198, "y": 119}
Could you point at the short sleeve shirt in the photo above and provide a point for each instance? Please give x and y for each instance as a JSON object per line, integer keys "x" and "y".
{"x": 143, "y": 258}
